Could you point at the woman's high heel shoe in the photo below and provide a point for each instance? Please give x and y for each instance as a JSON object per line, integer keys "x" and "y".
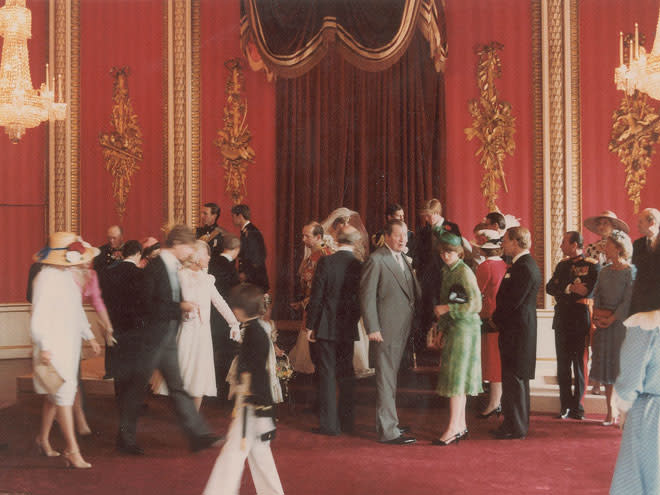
{"x": 45, "y": 451}
{"x": 497, "y": 411}
{"x": 75, "y": 460}
{"x": 455, "y": 439}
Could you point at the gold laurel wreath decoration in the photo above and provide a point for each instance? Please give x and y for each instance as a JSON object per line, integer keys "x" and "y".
{"x": 122, "y": 147}
{"x": 234, "y": 139}
{"x": 635, "y": 131}
{"x": 492, "y": 123}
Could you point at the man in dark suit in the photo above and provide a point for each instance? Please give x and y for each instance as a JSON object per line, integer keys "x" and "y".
{"x": 428, "y": 265}
{"x": 515, "y": 317}
{"x": 332, "y": 321}
{"x": 122, "y": 293}
{"x": 223, "y": 268}
{"x": 252, "y": 258}
{"x": 163, "y": 309}
{"x": 209, "y": 231}
{"x": 109, "y": 255}
{"x": 646, "y": 258}
{"x": 572, "y": 286}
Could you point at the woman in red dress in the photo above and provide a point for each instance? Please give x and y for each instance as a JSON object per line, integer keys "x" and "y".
{"x": 489, "y": 276}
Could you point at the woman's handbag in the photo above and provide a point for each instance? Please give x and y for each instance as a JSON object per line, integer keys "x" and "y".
{"x": 48, "y": 377}
{"x": 600, "y": 315}
{"x": 434, "y": 339}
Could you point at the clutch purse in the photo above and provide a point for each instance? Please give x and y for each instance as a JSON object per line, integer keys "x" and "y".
{"x": 601, "y": 314}
{"x": 49, "y": 378}
{"x": 433, "y": 340}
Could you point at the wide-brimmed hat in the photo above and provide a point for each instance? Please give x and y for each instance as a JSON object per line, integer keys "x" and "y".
{"x": 617, "y": 223}
{"x": 490, "y": 239}
{"x": 65, "y": 249}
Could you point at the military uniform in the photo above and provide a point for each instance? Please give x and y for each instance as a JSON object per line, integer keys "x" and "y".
{"x": 571, "y": 324}
{"x": 208, "y": 233}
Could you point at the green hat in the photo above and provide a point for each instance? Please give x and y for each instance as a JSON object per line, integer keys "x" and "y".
{"x": 447, "y": 237}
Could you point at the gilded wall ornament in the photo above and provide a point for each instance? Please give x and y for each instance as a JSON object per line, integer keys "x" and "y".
{"x": 492, "y": 123}
{"x": 635, "y": 131}
{"x": 122, "y": 147}
{"x": 234, "y": 139}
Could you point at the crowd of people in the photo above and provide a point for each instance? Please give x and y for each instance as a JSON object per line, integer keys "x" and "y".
{"x": 189, "y": 318}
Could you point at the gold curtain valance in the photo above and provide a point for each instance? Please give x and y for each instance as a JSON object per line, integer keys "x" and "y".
{"x": 287, "y": 38}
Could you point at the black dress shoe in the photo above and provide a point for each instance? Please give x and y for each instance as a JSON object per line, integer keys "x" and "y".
{"x": 319, "y": 431}
{"x": 576, "y": 415}
{"x": 129, "y": 448}
{"x": 404, "y": 429}
{"x": 205, "y": 441}
{"x": 563, "y": 414}
{"x": 455, "y": 439}
{"x": 400, "y": 440}
{"x": 497, "y": 410}
{"x": 507, "y": 435}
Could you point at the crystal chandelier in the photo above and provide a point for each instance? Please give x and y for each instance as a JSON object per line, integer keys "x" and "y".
{"x": 21, "y": 106}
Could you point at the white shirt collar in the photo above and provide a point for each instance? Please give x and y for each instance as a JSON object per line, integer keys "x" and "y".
{"x": 394, "y": 253}
{"x": 130, "y": 261}
{"x": 227, "y": 256}
{"x": 170, "y": 260}
{"x": 494, "y": 258}
{"x": 345, "y": 248}
{"x": 245, "y": 225}
{"x": 517, "y": 256}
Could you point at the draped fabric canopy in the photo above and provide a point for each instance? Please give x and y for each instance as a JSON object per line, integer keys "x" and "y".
{"x": 289, "y": 37}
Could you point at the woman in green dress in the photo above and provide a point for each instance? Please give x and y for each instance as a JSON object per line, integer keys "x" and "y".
{"x": 459, "y": 304}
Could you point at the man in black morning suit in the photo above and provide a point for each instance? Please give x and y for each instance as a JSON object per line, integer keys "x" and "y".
{"x": 332, "y": 321}
{"x": 122, "y": 293}
{"x": 572, "y": 286}
{"x": 163, "y": 309}
{"x": 223, "y": 268}
{"x": 252, "y": 258}
{"x": 646, "y": 258}
{"x": 515, "y": 318}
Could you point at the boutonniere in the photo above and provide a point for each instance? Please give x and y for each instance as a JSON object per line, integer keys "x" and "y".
{"x": 507, "y": 275}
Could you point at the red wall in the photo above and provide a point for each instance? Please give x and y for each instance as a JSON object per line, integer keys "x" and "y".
{"x": 602, "y": 172}
{"x": 471, "y": 23}
{"x": 23, "y": 169}
{"x": 114, "y": 34}
{"x": 220, "y": 42}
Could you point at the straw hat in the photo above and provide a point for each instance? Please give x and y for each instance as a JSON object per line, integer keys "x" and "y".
{"x": 491, "y": 239}
{"x": 617, "y": 224}
{"x": 65, "y": 249}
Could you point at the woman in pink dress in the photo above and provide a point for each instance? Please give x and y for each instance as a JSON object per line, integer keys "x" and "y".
{"x": 489, "y": 276}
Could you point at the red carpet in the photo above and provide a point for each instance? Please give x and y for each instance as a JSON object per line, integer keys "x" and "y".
{"x": 558, "y": 457}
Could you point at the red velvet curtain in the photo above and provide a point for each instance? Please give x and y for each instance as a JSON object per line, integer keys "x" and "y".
{"x": 357, "y": 139}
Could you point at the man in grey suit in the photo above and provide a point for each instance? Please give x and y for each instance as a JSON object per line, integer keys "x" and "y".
{"x": 389, "y": 292}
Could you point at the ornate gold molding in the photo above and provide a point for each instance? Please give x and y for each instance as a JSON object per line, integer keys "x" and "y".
{"x": 179, "y": 107}
{"x": 539, "y": 190}
{"x": 575, "y": 195}
{"x": 492, "y": 123}
{"x": 234, "y": 139}
{"x": 557, "y": 131}
{"x": 635, "y": 132}
{"x": 195, "y": 114}
{"x": 64, "y": 138}
{"x": 122, "y": 147}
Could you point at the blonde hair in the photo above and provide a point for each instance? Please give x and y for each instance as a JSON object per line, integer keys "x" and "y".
{"x": 432, "y": 206}
{"x": 198, "y": 247}
{"x": 521, "y": 235}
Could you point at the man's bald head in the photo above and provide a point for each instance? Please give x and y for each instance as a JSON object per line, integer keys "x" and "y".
{"x": 348, "y": 236}
{"x": 115, "y": 236}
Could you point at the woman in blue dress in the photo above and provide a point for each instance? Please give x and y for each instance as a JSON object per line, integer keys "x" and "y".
{"x": 611, "y": 305}
{"x": 637, "y": 391}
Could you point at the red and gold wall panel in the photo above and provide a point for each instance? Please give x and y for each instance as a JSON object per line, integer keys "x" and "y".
{"x": 477, "y": 22}
{"x": 23, "y": 169}
{"x": 116, "y": 34}
{"x": 602, "y": 173}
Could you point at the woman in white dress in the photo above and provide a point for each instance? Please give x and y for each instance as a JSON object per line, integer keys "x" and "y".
{"x": 57, "y": 325}
{"x": 194, "y": 342}
{"x": 336, "y": 219}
